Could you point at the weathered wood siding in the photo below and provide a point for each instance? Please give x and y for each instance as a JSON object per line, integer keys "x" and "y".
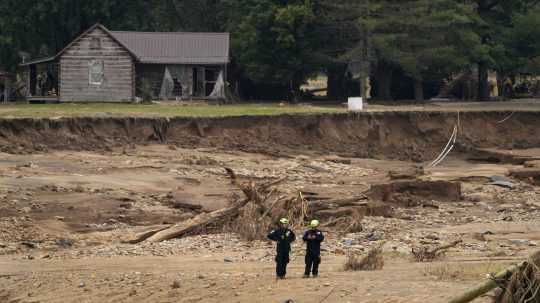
{"x": 118, "y": 81}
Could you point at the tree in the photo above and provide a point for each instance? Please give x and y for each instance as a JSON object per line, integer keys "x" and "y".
{"x": 424, "y": 38}
{"x": 270, "y": 39}
{"x": 523, "y": 41}
{"x": 495, "y": 17}
{"x": 336, "y": 30}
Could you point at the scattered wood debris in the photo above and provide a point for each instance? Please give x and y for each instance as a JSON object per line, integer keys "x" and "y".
{"x": 425, "y": 254}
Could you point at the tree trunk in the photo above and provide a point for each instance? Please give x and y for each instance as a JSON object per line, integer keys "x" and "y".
{"x": 336, "y": 82}
{"x": 364, "y": 85}
{"x": 418, "y": 90}
{"x": 500, "y": 84}
{"x": 197, "y": 222}
{"x": 483, "y": 85}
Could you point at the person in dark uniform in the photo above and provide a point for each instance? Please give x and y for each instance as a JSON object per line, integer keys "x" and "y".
{"x": 313, "y": 238}
{"x": 284, "y": 237}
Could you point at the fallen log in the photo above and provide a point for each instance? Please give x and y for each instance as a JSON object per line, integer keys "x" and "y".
{"x": 255, "y": 192}
{"x": 139, "y": 237}
{"x": 324, "y": 206}
{"x": 335, "y": 213}
{"x": 269, "y": 209}
{"x": 315, "y": 206}
{"x": 486, "y": 286}
{"x": 197, "y": 222}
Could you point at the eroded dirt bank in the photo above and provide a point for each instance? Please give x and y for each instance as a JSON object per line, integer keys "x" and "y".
{"x": 404, "y": 135}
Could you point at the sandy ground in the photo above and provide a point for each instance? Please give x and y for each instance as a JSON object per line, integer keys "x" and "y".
{"x": 63, "y": 216}
{"x": 150, "y": 279}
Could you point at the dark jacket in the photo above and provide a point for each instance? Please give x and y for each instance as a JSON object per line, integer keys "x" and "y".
{"x": 284, "y": 237}
{"x": 313, "y": 239}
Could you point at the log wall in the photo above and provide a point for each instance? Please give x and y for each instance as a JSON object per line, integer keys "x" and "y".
{"x": 118, "y": 82}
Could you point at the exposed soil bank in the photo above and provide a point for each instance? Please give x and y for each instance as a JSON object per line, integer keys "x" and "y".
{"x": 402, "y": 135}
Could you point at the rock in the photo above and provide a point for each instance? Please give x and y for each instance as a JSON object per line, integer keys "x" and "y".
{"x": 175, "y": 284}
{"x": 478, "y": 197}
{"x": 521, "y": 242}
{"x": 82, "y": 284}
{"x": 59, "y": 218}
{"x": 228, "y": 259}
{"x": 29, "y": 244}
{"x": 132, "y": 293}
{"x": 348, "y": 242}
{"x": 26, "y": 210}
{"x": 64, "y": 243}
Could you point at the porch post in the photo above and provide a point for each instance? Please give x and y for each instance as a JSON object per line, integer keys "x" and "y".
{"x": 225, "y": 82}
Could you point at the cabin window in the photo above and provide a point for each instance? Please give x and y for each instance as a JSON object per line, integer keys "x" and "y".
{"x": 96, "y": 72}
{"x": 95, "y": 43}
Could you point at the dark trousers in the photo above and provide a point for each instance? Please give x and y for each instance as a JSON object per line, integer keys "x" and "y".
{"x": 281, "y": 265}
{"x": 312, "y": 264}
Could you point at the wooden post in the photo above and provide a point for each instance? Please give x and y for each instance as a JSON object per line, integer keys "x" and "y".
{"x": 225, "y": 84}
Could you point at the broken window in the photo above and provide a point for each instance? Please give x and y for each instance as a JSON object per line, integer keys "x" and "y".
{"x": 211, "y": 78}
{"x": 96, "y": 68}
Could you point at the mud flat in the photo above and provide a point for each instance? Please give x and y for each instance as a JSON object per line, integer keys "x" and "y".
{"x": 73, "y": 189}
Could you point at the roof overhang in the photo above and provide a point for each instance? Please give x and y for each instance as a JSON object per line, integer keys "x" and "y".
{"x": 40, "y": 60}
{"x": 173, "y": 61}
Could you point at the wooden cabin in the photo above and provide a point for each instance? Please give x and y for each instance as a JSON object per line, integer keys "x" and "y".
{"x": 115, "y": 66}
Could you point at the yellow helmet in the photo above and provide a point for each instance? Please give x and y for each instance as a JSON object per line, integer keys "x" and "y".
{"x": 284, "y": 221}
{"x": 314, "y": 223}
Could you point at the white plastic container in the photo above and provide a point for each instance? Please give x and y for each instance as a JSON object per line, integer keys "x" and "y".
{"x": 356, "y": 104}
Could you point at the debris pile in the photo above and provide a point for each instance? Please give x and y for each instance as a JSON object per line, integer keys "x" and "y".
{"x": 524, "y": 284}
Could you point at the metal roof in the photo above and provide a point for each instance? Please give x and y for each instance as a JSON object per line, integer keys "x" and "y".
{"x": 176, "y": 47}
{"x": 163, "y": 47}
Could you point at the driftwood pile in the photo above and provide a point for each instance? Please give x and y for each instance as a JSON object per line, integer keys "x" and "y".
{"x": 524, "y": 284}
{"x": 261, "y": 207}
{"x": 517, "y": 284}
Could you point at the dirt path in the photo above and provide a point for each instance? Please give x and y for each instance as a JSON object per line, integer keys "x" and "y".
{"x": 210, "y": 279}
